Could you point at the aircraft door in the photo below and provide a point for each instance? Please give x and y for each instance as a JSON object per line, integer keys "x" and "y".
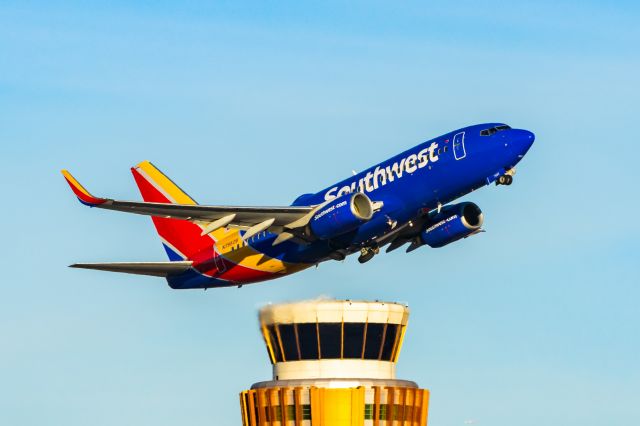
{"x": 458, "y": 146}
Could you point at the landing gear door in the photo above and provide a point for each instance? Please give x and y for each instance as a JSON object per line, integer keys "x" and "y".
{"x": 458, "y": 146}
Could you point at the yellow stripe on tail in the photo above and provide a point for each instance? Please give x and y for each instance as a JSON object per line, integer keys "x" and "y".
{"x": 164, "y": 184}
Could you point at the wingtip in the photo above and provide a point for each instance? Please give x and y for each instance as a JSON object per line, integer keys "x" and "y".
{"x": 67, "y": 175}
{"x": 83, "y": 195}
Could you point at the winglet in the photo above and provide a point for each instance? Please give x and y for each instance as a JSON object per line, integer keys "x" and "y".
{"x": 83, "y": 195}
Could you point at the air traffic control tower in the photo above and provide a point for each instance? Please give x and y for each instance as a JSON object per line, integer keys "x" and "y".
{"x": 334, "y": 364}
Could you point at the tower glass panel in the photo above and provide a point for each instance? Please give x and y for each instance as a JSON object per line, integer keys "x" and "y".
{"x": 353, "y": 339}
{"x": 289, "y": 343}
{"x": 389, "y": 340}
{"x": 330, "y": 340}
{"x": 374, "y": 340}
{"x": 308, "y": 338}
{"x": 273, "y": 340}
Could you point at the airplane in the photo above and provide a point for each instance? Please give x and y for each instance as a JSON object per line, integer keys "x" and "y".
{"x": 401, "y": 201}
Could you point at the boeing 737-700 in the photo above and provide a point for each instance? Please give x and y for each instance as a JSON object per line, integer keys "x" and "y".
{"x": 403, "y": 200}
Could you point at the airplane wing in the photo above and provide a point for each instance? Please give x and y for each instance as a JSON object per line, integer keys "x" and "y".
{"x": 256, "y": 219}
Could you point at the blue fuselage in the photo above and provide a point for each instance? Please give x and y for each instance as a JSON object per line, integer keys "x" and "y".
{"x": 411, "y": 184}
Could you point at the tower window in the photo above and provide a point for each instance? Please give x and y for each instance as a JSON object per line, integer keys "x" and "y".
{"x": 273, "y": 340}
{"x": 374, "y": 340}
{"x": 308, "y": 338}
{"x": 353, "y": 340}
{"x": 389, "y": 342}
{"x": 289, "y": 343}
{"x": 330, "y": 340}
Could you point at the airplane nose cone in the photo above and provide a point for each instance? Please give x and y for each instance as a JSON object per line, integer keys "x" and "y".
{"x": 522, "y": 141}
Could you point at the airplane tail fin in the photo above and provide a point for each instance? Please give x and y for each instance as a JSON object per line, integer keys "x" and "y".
{"x": 182, "y": 239}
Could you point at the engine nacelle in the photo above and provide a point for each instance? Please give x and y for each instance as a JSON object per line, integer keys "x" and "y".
{"x": 451, "y": 224}
{"x": 341, "y": 215}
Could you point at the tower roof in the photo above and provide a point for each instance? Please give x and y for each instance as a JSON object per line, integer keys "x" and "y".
{"x": 334, "y": 311}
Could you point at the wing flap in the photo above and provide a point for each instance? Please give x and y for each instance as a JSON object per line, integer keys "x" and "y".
{"x": 156, "y": 269}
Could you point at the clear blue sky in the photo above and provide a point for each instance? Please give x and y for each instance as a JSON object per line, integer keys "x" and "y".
{"x": 534, "y": 322}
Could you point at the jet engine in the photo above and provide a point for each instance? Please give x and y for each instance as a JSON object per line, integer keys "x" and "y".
{"x": 451, "y": 224}
{"x": 341, "y": 215}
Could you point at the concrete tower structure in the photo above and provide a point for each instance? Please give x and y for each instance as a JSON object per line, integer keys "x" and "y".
{"x": 334, "y": 364}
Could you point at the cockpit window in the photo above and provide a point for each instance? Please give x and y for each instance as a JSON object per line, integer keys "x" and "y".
{"x": 491, "y": 131}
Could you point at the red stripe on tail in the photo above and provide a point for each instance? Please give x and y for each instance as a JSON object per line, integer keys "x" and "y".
{"x": 183, "y": 235}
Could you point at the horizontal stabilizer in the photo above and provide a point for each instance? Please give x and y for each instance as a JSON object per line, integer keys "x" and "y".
{"x": 156, "y": 269}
